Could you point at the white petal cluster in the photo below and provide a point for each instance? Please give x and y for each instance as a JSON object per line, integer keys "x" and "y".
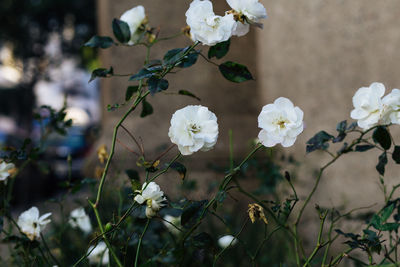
{"x": 99, "y": 254}
{"x": 134, "y": 17}
{"x": 207, "y": 27}
{"x": 391, "y": 103}
{"x": 4, "y": 170}
{"x": 79, "y": 219}
{"x": 31, "y": 224}
{"x": 226, "y": 241}
{"x": 248, "y": 12}
{"x": 281, "y": 123}
{"x": 193, "y": 128}
{"x": 152, "y": 196}
{"x": 176, "y": 221}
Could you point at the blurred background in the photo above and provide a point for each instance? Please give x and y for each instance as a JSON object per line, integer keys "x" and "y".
{"x": 315, "y": 52}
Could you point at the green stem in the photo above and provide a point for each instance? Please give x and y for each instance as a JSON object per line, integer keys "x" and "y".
{"x": 319, "y": 245}
{"x": 140, "y": 242}
{"x": 48, "y": 250}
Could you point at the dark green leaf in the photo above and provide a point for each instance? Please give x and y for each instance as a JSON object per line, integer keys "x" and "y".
{"x": 180, "y": 168}
{"x": 387, "y": 212}
{"x": 147, "y": 109}
{"x": 187, "y": 93}
{"x": 100, "y": 41}
{"x": 152, "y": 63}
{"x": 203, "y": 240}
{"x": 142, "y": 74}
{"x": 192, "y": 213}
{"x": 121, "y": 30}
{"x": 341, "y": 126}
{"x": 362, "y": 148}
{"x": 220, "y": 197}
{"x": 130, "y": 91}
{"x": 101, "y": 72}
{"x": 389, "y": 227}
{"x": 235, "y": 72}
{"x": 382, "y": 163}
{"x": 174, "y": 55}
{"x": 382, "y": 137}
{"x": 132, "y": 174}
{"x": 219, "y": 50}
{"x": 396, "y": 154}
{"x": 352, "y": 126}
{"x": 319, "y": 141}
{"x": 157, "y": 85}
{"x": 189, "y": 60}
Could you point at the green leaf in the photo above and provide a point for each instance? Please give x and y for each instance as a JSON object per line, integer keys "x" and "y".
{"x": 147, "y": 109}
{"x": 100, "y": 41}
{"x": 101, "y": 72}
{"x": 362, "y": 148}
{"x": 219, "y": 50}
{"x": 187, "y": 93}
{"x": 319, "y": 141}
{"x": 134, "y": 178}
{"x": 130, "y": 91}
{"x": 175, "y": 57}
{"x": 390, "y": 227}
{"x": 180, "y": 168}
{"x": 189, "y": 60}
{"x": 382, "y": 163}
{"x": 387, "y": 212}
{"x": 341, "y": 126}
{"x": 157, "y": 85}
{"x": 382, "y": 137}
{"x": 192, "y": 213}
{"x": 142, "y": 74}
{"x": 203, "y": 240}
{"x": 235, "y": 72}
{"x": 121, "y": 30}
{"x": 396, "y": 154}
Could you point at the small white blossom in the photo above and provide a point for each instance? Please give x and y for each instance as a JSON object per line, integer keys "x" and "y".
{"x": 193, "y": 128}
{"x": 99, "y": 254}
{"x": 152, "y": 196}
{"x": 391, "y": 102}
{"x": 281, "y": 123}
{"x": 176, "y": 221}
{"x": 207, "y": 27}
{"x": 246, "y": 11}
{"x": 226, "y": 241}
{"x": 4, "y": 170}
{"x": 368, "y": 106}
{"x": 79, "y": 219}
{"x": 31, "y": 224}
{"x": 134, "y": 17}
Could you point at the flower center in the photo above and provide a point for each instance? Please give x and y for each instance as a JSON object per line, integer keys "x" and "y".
{"x": 281, "y": 123}
{"x": 34, "y": 225}
{"x": 194, "y": 128}
{"x": 149, "y": 202}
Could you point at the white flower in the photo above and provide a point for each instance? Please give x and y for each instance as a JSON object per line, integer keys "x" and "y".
{"x": 193, "y": 128}
{"x": 246, "y": 11}
{"x": 134, "y": 17}
{"x": 368, "y": 106}
{"x": 205, "y": 26}
{"x": 152, "y": 195}
{"x": 176, "y": 221}
{"x": 99, "y": 254}
{"x": 4, "y": 170}
{"x": 31, "y": 224}
{"x": 79, "y": 219}
{"x": 391, "y": 102}
{"x": 226, "y": 241}
{"x": 281, "y": 123}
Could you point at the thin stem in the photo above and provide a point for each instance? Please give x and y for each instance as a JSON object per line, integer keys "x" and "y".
{"x": 209, "y": 61}
{"x": 140, "y": 242}
{"x": 48, "y": 250}
{"x": 319, "y": 245}
{"x": 230, "y": 150}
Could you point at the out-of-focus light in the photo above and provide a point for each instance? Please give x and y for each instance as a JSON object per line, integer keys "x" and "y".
{"x": 78, "y": 116}
{"x": 9, "y": 76}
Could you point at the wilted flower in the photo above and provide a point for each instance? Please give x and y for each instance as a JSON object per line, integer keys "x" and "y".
{"x": 102, "y": 154}
{"x": 152, "y": 195}
{"x": 205, "y": 26}
{"x": 391, "y": 102}
{"x": 368, "y": 106}
{"x": 5, "y": 169}
{"x": 135, "y": 18}
{"x": 176, "y": 221}
{"x": 226, "y": 241}
{"x": 280, "y": 122}
{"x": 246, "y": 12}
{"x": 31, "y": 224}
{"x": 79, "y": 219}
{"x": 256, "y": 212}
{"x": 193, "y": 128}
{"x": 99, "y": 254}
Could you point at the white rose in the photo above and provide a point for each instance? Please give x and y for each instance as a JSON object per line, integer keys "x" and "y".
{"x": 226, "y": 241}
{"x": 176, "y": 221}
{"x": 31, "y": 224}
{"x": 4, "y": 170}
{"x": 391, "y": 102}
{"x": 253, "y": 12}
{"x": 99, "y": 254}
{"x": 79, "y": 219}
{"x": 193, "y": 128}
{"x": 205, "y": 26}
{"x": 134, "y": 17}
{"x": 281, "y": 123}
{"x": 152, "y": 196}
{"x": 368, "y": 106}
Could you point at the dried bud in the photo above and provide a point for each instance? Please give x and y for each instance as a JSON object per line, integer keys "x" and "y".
{"x": 256, "y": 212}
{"x": 102, "y": 154}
